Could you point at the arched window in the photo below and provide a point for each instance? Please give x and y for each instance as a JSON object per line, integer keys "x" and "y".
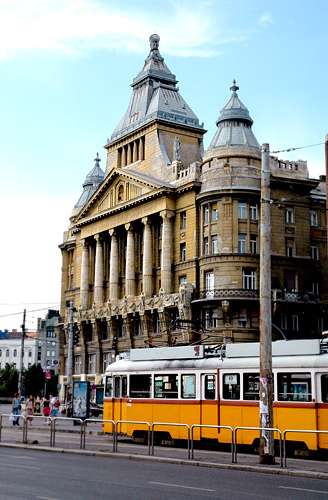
{"x": 120, "y": 193}
{"x": 15, "y": 353}
{"x": 0, "y": 352}
{"x": 7, "y": 353}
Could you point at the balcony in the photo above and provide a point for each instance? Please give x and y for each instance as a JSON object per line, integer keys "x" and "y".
{"x": 294, "y": 296}
{"x": 227, "y": 294}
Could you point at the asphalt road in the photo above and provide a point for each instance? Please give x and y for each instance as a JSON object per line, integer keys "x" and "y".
{"x": 26, "y": 474}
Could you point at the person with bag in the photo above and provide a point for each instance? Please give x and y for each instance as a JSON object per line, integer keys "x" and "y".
{"x": 46, "y": 408}
{"x": 15, "y": 409}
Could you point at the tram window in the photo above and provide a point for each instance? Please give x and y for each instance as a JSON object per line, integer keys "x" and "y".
{"x": 166, "y": 386}
{"x": 109, "y": 387}
{"x": 117, "y": 387}
{"x": 294, "y": 387}
{"x": 209, "y": 391}
{"x": 124, "y": 387}
{"x": 231, "y": 386}
{"x": 188, "y": 386}
{"x": 140, "y": 386}
{"x": 251, "y": 386}
{"x": 324, "y": 388}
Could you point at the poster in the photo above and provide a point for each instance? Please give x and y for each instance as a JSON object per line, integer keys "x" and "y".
{"x": 81, "y": 399}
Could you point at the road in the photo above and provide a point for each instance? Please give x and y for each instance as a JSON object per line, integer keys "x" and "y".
{"x": 38, "y": 475}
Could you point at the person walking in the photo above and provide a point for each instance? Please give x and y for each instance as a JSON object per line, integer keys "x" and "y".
{"x": 46, "y": 408}
{"x": 29, "y": 409}
{"x": 15, "y": 409}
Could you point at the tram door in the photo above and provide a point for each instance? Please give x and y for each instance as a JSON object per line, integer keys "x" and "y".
{"x": 120, "y": 393}
{"x": 209, "y": 404}
{"x": 322, "y": 408}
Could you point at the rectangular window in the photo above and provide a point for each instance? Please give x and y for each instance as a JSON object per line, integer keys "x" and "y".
{"x": 251, "y": 386}
{"x": 91, "y": 363}
{"x": 206, "y": 246}
{"x": 242, "y": 210}
{"x": 291, "y": 281}
{"x": 140, "y": 386}
{"x": 315, "y": 288}
{"x": 294, "y": 387}
{"x": 289, "y": 215}
{"x": 183, "y": 220}
{"x": 166, "y": 386}
{"x": 182, "y": 280}
{"x": 324, "y": 388}
{"x": 109, "y": 387}
{"x": 290, "y": 247}
{"x": 120, "y": 387}
{"x": 253, "y": 244}
{"x": 183, "y": 252}
{"x": 314, "y": 252}
{"x": 242, "y": 321}
{"x": 206, "y": 214}
{"x": 231, "y": 386}
{"x": 314, "y": 219}
{"x": 214, "y": 244}
{"x": 209, "y": 280}
{"x": 214, "y": 213}
{"x": 108, "y": 358}
{"x": 295, "y": 322}
{"x": 241, "y": 243}
{"x": 254, "y": 212}
{"x": 249, "y": 279}
{"x": 209, "y": 388}
{"x": 188, "y": 386}
{"x": 77, "y": 365}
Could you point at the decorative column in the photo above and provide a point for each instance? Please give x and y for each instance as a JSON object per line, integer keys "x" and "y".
{"x": 84, "y": 283}
{"x": 130, "y": 282}
{"x": 166, "y": 260}
{"x": 113, "y": 267}
{"x": 99, "y": 273}
{"x": 147, "y": 260}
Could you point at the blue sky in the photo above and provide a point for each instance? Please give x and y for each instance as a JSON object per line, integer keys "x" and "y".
{"x": 66, "y": 68}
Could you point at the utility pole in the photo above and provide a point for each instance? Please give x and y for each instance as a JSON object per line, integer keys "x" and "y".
{"x": 266, "y": 382}
{"x": 69, "y": 367}
{"x": 21, "y": 364}
{"x": 326, "y": 159}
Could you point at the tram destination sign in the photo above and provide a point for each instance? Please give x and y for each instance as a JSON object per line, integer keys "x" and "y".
{"x": 157, "y": 353}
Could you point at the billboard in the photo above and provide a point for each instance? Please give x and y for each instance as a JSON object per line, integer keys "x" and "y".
{"x": 81, "y": 399}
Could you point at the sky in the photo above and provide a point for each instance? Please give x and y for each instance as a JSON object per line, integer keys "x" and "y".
{"x": 65, "y": 72}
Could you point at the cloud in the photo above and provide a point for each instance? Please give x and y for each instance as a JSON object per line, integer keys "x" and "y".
{"x": 73, "y": 26}
{"x": 266, "y": 19}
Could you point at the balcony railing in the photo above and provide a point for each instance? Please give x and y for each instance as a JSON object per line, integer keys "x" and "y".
{"x": 279, "y": 295}
{"x": 228, "y": 293}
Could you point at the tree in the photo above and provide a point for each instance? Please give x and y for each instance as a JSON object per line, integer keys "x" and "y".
{"x": 8, "y": 381}
{"x": 34, "y": 380}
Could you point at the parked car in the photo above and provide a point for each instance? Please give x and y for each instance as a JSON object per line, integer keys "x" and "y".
{"x": 95, "y": 410}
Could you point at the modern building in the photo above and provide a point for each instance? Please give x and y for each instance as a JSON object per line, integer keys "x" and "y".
{"x": 10, "y": 349}
{"x": 48, "y": 341}
{"x": 163, "y": 247}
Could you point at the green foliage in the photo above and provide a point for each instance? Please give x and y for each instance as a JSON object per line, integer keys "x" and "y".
{"x": 8, "y": 381}
{"x": 33, "y": 380}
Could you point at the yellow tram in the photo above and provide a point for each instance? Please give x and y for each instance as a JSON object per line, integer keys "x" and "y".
{"x": 219, "y": 386}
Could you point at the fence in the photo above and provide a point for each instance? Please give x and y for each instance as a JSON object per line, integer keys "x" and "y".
{"x": 306, "y": 431}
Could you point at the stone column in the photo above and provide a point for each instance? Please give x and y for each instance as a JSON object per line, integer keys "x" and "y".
{"x": 130, "y": 281}
{"x": 99, "y": 273}
{"x": 147, "y": 259}
{"x": 84, "y": 283}
{"x": 166, "y": 260}
{"x": 113, "y": 267}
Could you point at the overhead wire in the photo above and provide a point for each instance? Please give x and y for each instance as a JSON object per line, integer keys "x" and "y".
{"x": 288, "y": 150}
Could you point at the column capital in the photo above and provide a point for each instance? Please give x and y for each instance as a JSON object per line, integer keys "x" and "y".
{"x": 97, "y": 238}
{"x": 111, "y": 232}
{"x": 167, "y": 214}
{"x": 84, "y": 243}
{"x": 128, "y": 226}
{"x": 145, "y": 220}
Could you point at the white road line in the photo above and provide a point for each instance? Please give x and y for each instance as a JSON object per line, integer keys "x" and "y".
{"x": 180, "y": 486}
{"x": 19, "y": 466}
{"x": 48, "y": 498}
{"x": 304, "y": 489}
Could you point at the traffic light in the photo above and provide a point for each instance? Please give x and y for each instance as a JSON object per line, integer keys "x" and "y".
{"x": 76, "y": 335}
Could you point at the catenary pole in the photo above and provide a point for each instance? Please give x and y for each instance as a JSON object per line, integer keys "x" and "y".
{"x": 326, "y": 160}
{"x": 69, "y": 367}
{"x": 21, "y": 364}
{"x": 266, "y": 382}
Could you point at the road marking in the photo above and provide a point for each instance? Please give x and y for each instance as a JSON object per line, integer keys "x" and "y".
{"x": 19, "y": 466}
{"x": 172, "y": 485}
{"x": 47, "y": 498}
{"x": 304, "y": 489}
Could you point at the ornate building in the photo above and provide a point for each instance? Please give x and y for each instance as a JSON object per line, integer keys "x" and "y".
{"x": 163, "y": 248}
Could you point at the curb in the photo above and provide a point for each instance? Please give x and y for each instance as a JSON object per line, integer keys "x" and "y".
{"x": 177, "y": 461}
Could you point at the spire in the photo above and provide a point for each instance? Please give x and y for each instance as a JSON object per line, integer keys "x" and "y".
{"x": 155, "y": 95}
{"x": 234, "y": 124}
{"x": 91, "y": 183}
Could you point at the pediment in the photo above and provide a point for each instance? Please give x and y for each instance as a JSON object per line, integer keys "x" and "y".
{"x": 118, "y": 188}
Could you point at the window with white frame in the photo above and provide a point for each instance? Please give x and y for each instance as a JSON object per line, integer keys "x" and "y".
{"x": 77, "y": 365}
{"x": 214, "y": 212}
{"x": 206, "y": 246}
{"x": 284, "y": 321}
{"x": 242, "y": 210}
{"x": 315, "y": 287}
{"x": 295, "y": 322}
{"x": 183, "y": 280}
{"x": 7, "y": 353}
{"x": 108, "y": 358}
{"x": 253, "y": 244}
{"x": 91, "y": 363}
{"x": 183, "y": 252}
{"x": 183, "y": 220}
{"x": 206, "y": 214}
{"x": 249, "y": 279}
{"x": 314, "y": 219}
{"x": 242, "y": 320}
{"x": 209, "y": 280}
{"x": 254, "y": 212}
{"x": 290, "y": 247}
{"x": 314, "y": 252}
{"x": 214, "y": 244}
{"x": 15, "y": 353}
{"x": 241, "y": 243}
{"x": 289, "y": 215}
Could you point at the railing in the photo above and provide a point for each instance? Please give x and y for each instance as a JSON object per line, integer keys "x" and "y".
{"x": 132, "y": 422}
{"x": 228, "y": 293}
{"x": 97, "y": 421}
{"x": 306, "y": 431}
{"x": 269, "y": 429}
{"x": 172, "y": 424}
{"x": 200, "y": 426}
{"x": 72, "y": 419}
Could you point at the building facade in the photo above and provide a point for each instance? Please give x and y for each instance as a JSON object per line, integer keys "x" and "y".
{"x": 10, "y": 349}
{"x": 163, "y": 247}
{"x": 48, "y": 342}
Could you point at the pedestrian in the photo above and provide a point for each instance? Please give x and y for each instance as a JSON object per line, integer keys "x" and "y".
{"x": 54, "y": 406}
{"x": 15, "y": 409}
{"x": 29, "y": 409}
{"x": 46, "y": 408}
{"x": 37, "y": 405}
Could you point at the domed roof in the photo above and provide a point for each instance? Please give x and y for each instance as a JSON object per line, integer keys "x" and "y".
{"x": 90, "y": 185}
{"x": 234, "y": 124}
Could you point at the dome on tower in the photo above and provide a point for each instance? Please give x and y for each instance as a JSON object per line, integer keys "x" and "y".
{"x": 234, "y": 125}
{"x": 90, "y": 185}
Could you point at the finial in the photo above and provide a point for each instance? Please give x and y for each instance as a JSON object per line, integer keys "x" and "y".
{"x": 234, "y": 87}
{"x": 97, "y": 159}
{"x": 154, "y": 41}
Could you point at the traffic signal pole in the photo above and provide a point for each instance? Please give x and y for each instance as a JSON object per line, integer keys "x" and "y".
{"x": 21, "y": 364}
{"x": 266, "y": 381}
{"x": 70, "y": 332}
